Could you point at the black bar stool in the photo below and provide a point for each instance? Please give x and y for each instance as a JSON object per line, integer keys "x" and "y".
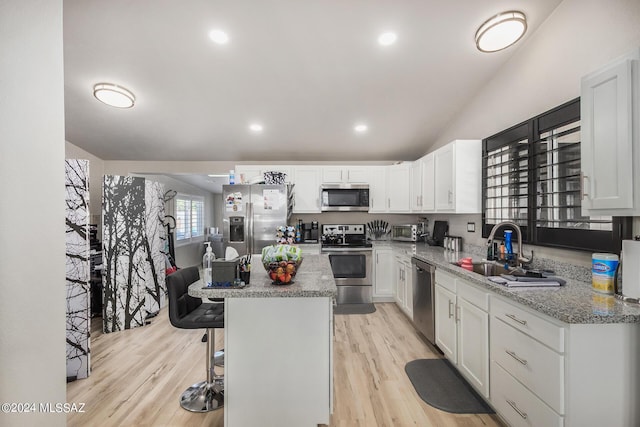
{"x": 187, "y": 312}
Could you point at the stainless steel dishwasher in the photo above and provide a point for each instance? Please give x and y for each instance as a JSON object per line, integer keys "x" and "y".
{"x": 424, "y": 281}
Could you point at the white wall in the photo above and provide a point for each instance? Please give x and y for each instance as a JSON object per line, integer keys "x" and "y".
{"x": 579, "y": 37}
{"x": 32, "y": 212}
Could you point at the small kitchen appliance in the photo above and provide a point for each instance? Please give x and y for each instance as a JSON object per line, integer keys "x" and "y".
{"x": 406, "y": 232}
{"x": 310, "y": 232}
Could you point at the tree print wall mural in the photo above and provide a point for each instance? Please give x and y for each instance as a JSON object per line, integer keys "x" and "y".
{"x": 131, "y": 244}
{"x": 77, "y": 256}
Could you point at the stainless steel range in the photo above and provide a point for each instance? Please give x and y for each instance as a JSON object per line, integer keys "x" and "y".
{"x": 350, "y": 257}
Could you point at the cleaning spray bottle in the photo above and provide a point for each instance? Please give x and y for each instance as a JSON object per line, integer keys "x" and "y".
{"x": 507, "y": 244}
{"x": 207, "y": 265}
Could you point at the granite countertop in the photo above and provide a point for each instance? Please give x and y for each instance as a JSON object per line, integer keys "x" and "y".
{"x": 574, "y": 302}
{"x": 313, "y": 279}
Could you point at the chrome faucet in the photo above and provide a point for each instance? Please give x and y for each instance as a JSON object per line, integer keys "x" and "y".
{"x": 521, "y": 259}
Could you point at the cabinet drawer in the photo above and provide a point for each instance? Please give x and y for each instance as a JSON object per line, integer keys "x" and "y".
{"x": 472, "y": 294}
{"x": 446, "y": 280}
{"x": 529, "y": 323}
{"x": 517, "y": 405}
{"x": 536, "y": 366}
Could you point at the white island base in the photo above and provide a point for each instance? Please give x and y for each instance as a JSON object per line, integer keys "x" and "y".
{"x": 278, "y": 361}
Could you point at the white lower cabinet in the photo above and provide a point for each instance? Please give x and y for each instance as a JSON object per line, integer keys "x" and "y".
{"x": 517, "y": 405}
{"x": 462, "y": 328}
{"x": 446, "y": 328}
{"x": 545, "y": 372}
{"x": 383, "y": 275}
{"x": 404, "y": 284}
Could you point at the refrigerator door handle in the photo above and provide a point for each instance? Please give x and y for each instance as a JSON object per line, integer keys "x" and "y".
{"x": 249, "y": 236}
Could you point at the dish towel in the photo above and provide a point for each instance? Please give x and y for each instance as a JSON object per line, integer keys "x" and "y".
{"x": 530, "y": 283}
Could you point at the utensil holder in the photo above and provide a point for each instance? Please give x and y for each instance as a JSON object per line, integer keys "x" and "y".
{"x": 245, "y": 276}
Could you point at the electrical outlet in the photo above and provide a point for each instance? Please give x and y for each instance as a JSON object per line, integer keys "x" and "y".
{"x": 471, "y": 227}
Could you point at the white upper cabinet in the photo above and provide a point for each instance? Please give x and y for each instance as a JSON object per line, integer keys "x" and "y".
{"x": 458, "y": 177}
{"x": 345, "y": 174}
{"x": 610, "y": 147}
{"x": 416, "y": 186}
{"x": 306, "y": 192}
{"x": 428, "y": 183}
{"x": 378, "y": 190}
{"x": 399, "y": 188}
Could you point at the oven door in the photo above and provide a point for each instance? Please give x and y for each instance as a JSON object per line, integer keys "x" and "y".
{"x": 352, "y": 273}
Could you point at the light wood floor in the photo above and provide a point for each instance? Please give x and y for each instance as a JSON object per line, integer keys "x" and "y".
{"x": 139, "y": 374}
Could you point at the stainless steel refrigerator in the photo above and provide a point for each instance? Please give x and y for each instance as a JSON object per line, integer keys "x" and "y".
{"x": 252, "y": 213}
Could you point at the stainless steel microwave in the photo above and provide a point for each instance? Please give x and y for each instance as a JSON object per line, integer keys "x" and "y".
{"x": 344, "y": 197}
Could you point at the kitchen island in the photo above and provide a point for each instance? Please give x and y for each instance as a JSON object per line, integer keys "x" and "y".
{"x": 278, "y": 347}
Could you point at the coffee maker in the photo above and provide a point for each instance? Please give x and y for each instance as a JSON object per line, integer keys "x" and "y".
{"x": 310, "y": 232}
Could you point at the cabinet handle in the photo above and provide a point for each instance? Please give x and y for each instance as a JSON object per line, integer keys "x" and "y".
{"x": 515, "y": 356}
{"x": 583, "y": 178}
{"x": 348, "y": 175}
{"x": 457, "y": 313}
{"x": 450, "y": 306}
{"x": 513, "y": 317}
{"x": 450, "y": 193}
{"x": 515, "y": 408}
{"x": 389, "y": 203}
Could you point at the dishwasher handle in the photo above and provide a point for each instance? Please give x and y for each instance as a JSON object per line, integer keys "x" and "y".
{"x": 420, "y": 265}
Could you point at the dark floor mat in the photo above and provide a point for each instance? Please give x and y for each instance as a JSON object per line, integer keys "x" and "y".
{"x": 440, "y": 385}
{"x": 354, "y": 309}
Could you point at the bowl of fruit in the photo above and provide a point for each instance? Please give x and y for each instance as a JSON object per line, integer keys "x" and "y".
{"x": 281, "y": 262}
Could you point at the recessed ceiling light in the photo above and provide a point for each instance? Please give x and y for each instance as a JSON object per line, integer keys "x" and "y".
{"x": 387, "y": 39}
{"x": 114, "y": 95}
{"x": 360, "y": 128}
{"x": 501, "y": 31}
{"x": 219, "y": 37}
{"x": 256, "y": 127}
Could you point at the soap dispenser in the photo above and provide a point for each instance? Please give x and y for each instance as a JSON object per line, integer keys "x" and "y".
{"x": 207, "y": 265}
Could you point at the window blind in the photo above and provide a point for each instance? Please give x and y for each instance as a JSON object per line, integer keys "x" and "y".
{"x": 531, "y": 176}
{"x": 189, "y": 214}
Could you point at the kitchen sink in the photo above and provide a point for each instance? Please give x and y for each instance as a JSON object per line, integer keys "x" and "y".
{"x": 488, "y": 268}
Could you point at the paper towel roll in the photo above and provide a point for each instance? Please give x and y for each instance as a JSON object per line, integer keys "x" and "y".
{"x": 631, "y": 268}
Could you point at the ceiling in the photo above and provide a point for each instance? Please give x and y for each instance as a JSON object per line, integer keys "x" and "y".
{"x": 307, "y": 70}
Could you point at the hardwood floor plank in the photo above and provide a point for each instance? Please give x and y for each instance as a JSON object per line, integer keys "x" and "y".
{"x": 138, "y": 376}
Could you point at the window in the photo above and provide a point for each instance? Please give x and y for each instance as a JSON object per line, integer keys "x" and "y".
{"x": 531, "y": 176}
{"x": 189, "y": 213}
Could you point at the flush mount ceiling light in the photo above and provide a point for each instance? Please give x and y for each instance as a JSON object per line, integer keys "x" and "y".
{"x": 114, "y": 95}
{"x": 219, "y": 37}
{"x": 501, "y": 31}
{"x": 360, "y": 128}
{"x": 387, "y": 39}
{"x": 256, "y": 127}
